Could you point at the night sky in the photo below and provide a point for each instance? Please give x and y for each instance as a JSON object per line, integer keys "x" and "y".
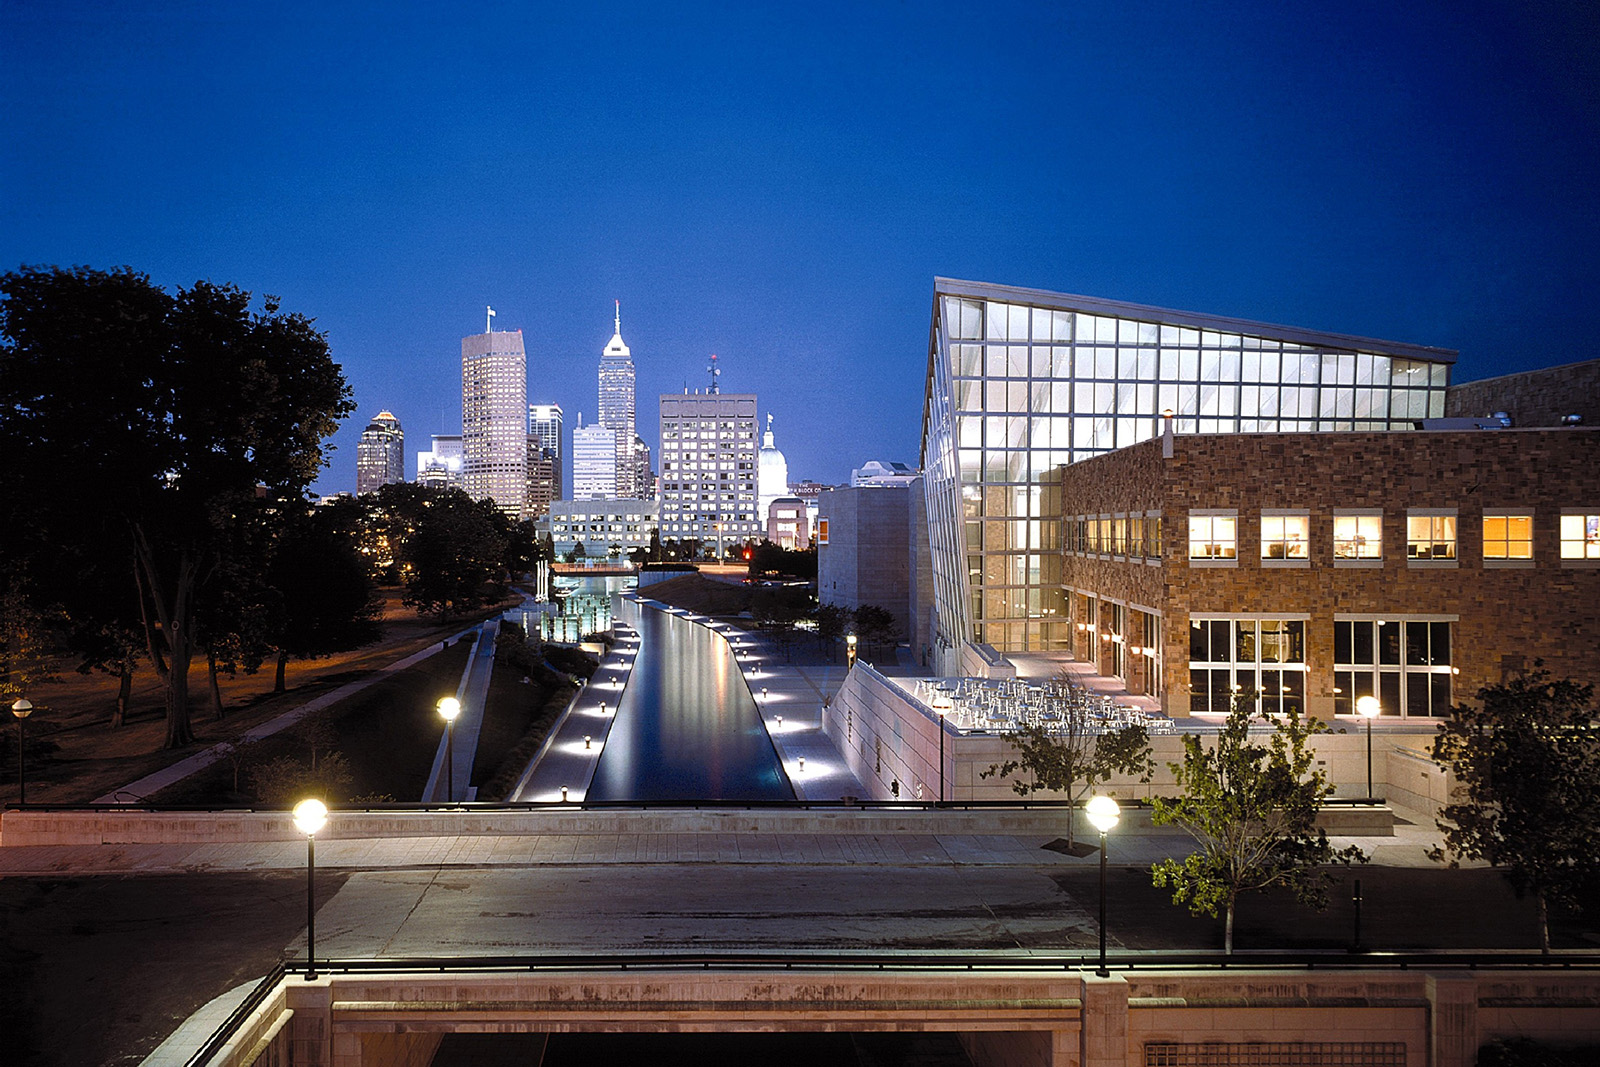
{"x": 781, "y": 184}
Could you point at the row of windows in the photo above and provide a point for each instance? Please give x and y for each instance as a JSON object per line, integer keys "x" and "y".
{"x": 1405, "y": 663}
{"x": 1430, "y": 536}
{"x": 1131, "y": 535}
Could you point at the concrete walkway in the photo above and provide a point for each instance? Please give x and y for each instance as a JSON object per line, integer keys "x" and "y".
{"x": 459, "y": 744}
{"x": 565, "y": 763}
{"x": 135, "y": 792}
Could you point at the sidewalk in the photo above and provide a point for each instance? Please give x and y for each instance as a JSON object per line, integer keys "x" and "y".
{"x": 135, "y": 792}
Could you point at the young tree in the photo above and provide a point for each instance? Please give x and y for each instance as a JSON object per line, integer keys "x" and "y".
{"x": 198, "y": 407}
{"x": 832, "y": 622}
{"x": 1252, "y": 808}
{"x": 1073, "y": 760}
{"x": 876, "y": 626}
{"x": 1527, "y": 770}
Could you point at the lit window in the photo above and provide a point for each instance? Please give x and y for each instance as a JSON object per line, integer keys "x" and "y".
{"x": 1285, "y": 537}
{"x": 1358, "y": 537}
{"x": 1213, "y": 537}
{"x": 1580, "y": 536}
{"x": 1508, "y": 537}
{"x": 1431, "y": 537}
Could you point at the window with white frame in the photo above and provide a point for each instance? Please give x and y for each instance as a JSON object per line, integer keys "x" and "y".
{"x": 1285, "y": 536}
{"x": 1265, "y": 656}
{"x": 1507, "y": 537}
{"x": 1358, "y": 535}
{"x": 1431, "y": 536}
{"x": 1580, "y": 535}
{"x": 1404, "y": 662}
{"x": 1213, "y": 535}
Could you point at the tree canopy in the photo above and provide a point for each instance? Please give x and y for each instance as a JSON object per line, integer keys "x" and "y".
{"x": 1072, "y": 759}
{"x": 155, "y": 425}
{"x": 1527, "y": 768}
{"x": 1251, "y": 806}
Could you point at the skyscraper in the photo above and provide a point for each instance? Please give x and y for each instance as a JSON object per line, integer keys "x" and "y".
{"x": 441, "y": 466}
{"x": 708, "y": 468}
{"x": 381, "y": 454}
{"x": 617, "y": 414}
{"x": 544, "y": 424}
{"x": 494, "y": 417}
{"x": 594, "y": 462}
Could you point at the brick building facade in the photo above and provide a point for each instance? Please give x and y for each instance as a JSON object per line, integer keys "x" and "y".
{"x": 1319, "y": 567}
{"x": 1532, "y": 398}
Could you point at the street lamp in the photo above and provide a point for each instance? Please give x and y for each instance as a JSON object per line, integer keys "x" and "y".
{"x": 309, "y": 817}
{"x": 849, "y": 651}
{"x": 1103, "y": 814}
{"x": 450, "y": 707}
{"x": 21, "y": 709}
{"x": 1369, "y": 708}
{"x": 942, "y": 714}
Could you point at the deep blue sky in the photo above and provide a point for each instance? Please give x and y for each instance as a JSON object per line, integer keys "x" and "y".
{"x": 781, "y": 185}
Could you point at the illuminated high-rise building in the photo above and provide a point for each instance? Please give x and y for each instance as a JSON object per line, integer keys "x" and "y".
{"x": 441, "y": 466}
{"x": 545, "y": 425}
{"x": 618, "y": 414}
{"x": 381, "y": 454}
{"x": 708, "y": 468}
{"x": 594, "y": 461}
{"x": 494, "y": 417}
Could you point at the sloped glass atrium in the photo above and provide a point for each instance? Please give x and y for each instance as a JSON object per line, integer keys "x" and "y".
{"x": 1021, "y": 381}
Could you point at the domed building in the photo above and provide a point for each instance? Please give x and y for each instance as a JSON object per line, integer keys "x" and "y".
{"x": 772, "y": 476}
{"x": 380, "y": 455}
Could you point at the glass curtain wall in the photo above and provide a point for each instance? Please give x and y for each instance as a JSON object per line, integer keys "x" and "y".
{"x": 1017, "y": 389}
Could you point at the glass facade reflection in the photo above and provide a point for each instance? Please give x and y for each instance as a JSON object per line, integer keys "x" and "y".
{"x": 1022, "y": 381}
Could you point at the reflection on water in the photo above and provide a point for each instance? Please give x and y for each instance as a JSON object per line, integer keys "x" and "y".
{"x": 687, "y": 727}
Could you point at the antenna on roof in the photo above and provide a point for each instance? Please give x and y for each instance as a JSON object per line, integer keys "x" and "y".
{"x": 715, "y": 372}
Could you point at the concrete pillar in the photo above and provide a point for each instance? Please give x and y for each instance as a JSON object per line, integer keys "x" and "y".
{"x": 1105, "y": 1022}
{"x": 311, "y": 1027}
{"x": 1453, "y": 1019}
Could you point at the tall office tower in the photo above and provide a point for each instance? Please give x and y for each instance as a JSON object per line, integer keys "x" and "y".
{"x": 594, "y": 462}
{"x": 617, "y": 409}
{"x": 773, "y": 476}
{"x": 443, "y": 465}
{"x": 544, "y": 422}
{"x": 381, "y": 454}
{"x": 542, "y": 479}
{"x": 494, "y": 417}
{"x": 708, "y": 468}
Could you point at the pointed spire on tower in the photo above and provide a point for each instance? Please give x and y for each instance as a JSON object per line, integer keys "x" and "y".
{"x": 619, "y": 318}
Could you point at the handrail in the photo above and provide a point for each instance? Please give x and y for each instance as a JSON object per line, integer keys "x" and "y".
{"x": 483, "y": 806}
{"x": 236, "y": 1018}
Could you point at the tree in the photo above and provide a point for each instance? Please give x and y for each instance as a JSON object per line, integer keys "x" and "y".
{"x": 191, "y": 408}
{"x": 327, "y": 600}
{"x": 832, "y": 622}
{"x": 1527, "y": 770}
{"x": 1072, "y": 760}
{"x": 875, "y": 625}
{"x": 454, "y": 558}
{"x": 1252, "y": 808}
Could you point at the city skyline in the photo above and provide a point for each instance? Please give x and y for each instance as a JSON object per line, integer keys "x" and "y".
{"x": 781, "y": 188}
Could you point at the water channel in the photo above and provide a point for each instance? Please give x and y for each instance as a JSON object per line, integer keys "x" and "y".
{"x": 687, "y": 727}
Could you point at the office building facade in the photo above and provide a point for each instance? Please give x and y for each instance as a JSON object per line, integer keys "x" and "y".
{"x": 494, "y": 418}
{"x": 545, "y": 426}
{"x": 594, "y": 462}
{"x": 443, "y": 464}
{"x": 1022, "y": 381}
{"x": 380, "y": 454}
{"x": 611, "y": 527}
{"x": 708, "y": 468}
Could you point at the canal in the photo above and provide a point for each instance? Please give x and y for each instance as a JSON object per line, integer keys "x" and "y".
{"x": 687, "y": 727}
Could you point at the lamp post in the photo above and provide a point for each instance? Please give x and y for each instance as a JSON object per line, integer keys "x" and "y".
{"x": 309, "y": 817}
{"x": 1103, "y": 814}
{"x": 1369, "y": 708}
{"x": 849, "y": 651}
{"x": 22, "y": 709}
{"x": 942, "y": 714}
{"x": 449, "y": 708}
